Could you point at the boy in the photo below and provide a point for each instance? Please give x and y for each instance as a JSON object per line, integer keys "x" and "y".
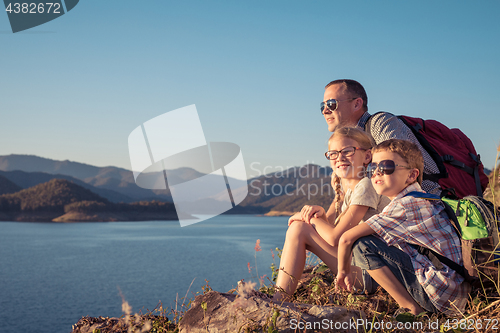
{"x": 387, "y": 258}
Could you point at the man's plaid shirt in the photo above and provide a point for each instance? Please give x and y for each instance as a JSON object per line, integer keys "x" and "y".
{"x": 422, "y": 222}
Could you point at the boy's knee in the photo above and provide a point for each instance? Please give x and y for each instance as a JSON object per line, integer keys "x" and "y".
{"x": 365, "y": 245}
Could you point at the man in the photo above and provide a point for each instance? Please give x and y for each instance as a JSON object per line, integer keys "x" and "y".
{"x": 346, "y": 104}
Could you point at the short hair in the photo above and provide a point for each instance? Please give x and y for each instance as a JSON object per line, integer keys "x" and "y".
{"x": 353, "y": 87}
{"x": 408, "y": 151}
{"x": 364, "y": 140}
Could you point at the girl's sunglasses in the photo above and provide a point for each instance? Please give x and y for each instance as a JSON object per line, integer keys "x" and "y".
{"x": 385, "y": 167}
{"x": 332, "y": 104}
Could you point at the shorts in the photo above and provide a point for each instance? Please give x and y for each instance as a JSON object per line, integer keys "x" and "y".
{"x": 370, "y": 252}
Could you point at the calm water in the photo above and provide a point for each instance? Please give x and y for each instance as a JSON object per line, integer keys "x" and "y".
{"x": 53, "y": 274}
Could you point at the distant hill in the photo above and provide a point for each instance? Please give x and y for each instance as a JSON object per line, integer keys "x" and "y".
{"x": 289, "y": 190}
{"x": 61, "y": 200}
{"x": 32, "y": 163}
{"x": 50, "y": 196}
{"x": 24, "y": 180}
{"x": 108, "y": 178}
{"x": 7, "y": 186}
{"x": 111, "y": 178}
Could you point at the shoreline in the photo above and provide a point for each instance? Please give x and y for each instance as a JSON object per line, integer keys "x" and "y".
{"x": 278, "y": 213}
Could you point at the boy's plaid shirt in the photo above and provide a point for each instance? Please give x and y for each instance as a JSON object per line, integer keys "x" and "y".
{"x": 422, "y": 222}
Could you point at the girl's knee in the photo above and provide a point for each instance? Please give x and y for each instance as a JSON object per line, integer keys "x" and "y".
{"x": 298, "y": 229}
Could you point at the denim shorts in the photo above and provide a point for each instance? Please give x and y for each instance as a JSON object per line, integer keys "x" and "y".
{"x": 370, "y": 252}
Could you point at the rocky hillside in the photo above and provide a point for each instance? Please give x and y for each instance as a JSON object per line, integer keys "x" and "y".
{"x": 60, "y": 200}
{"x": 289, "y": 190}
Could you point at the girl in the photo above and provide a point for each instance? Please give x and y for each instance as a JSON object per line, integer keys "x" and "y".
{"x": 311, "y": 228}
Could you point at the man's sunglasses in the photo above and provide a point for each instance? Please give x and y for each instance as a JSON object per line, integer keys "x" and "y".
{"x": 385, "y": 167}
{"x": 332, "y": 104}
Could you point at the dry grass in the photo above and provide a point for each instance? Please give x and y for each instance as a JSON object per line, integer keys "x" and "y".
{"x": 317, "y": 286}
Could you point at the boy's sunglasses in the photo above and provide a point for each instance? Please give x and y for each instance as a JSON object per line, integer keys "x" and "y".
{"x": 332, "y": 104}
{"x": 385, "y": 167}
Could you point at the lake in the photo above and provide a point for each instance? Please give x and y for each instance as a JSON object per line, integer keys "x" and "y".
{"x": 53, "y": 274}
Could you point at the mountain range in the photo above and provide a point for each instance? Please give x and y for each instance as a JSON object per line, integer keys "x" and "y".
{"x": 282, "y": 192}
{"x": 92, "y": 189}
{"x": 113, "y": 183}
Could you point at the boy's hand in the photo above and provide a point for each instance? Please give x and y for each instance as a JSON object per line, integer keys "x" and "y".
{"x": 309, "y": 212}
{"x": 344, "y": 281}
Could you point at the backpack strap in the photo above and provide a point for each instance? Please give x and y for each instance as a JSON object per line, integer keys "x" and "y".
{"x": 471, "y": 171}
{"x": 477, "y": 179}
{"x": 433, "y": 256}
{"x": 451, "y": 160}
{"x": 437, "y": 260}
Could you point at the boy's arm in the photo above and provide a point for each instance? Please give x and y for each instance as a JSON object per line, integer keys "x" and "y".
{"x": 331, "y": 213}
{"x": 344, "y": 279}
{"x": 350, "y": 219}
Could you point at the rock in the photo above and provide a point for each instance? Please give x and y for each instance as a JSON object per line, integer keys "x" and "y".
{"x": 254, "y": 311}
{"x": 127, "y": 324}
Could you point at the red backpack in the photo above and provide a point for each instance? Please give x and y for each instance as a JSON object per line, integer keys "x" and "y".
{"x": 460, "y": 168}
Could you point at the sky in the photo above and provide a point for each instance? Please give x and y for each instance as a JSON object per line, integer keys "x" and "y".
{"x": 76, "y": 87}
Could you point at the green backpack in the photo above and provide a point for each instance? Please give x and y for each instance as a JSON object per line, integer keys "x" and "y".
{"x": 477, "y": 224}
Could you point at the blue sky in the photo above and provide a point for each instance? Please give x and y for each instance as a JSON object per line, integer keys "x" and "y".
{"x": 75, "y": 88}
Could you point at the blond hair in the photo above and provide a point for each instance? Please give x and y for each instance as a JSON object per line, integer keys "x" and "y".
{"x": 364, "y": 141}
{"x": 408, "y": 151}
